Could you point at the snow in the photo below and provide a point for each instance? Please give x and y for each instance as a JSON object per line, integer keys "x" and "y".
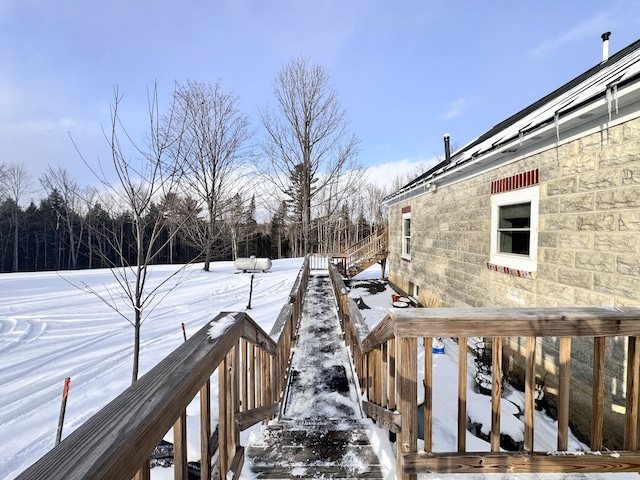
{"x": 445, "y": 402}
{"x": 50, "y": 330}
{"x": 221, "y": 326}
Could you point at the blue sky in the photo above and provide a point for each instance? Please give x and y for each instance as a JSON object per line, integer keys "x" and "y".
{"x": 407, "y": 72}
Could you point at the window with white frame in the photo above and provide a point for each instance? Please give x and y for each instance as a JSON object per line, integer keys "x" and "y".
{"x": 514, "y": 229}
{"x": 406, "y": 235}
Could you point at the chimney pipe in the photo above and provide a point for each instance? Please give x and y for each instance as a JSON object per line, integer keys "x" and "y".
{"x": 447, "y": 148}
{"x": 605, "y": 46}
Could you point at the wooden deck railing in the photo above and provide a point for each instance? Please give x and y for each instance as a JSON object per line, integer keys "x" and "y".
{"x": 368, "y": 245}
{"x": 364, "y": 253}
{"x": 117, "y": 442}
{"x": 320, "y": 261}
{"x": 360, "y": 255}
{"x": 386, "y": 360}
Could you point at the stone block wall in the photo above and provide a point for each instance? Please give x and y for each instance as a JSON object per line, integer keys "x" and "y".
{"x": 588, "y": 244}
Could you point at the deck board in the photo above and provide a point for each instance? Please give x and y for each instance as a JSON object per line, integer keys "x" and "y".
{"x": 321, "y": 432}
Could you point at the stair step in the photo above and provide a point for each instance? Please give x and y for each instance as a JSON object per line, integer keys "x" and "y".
{"x": 326, "y": 471}
{"x": 314, "y": 452}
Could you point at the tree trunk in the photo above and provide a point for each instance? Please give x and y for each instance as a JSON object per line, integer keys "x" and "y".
{"x": 234, "y": 243}
{"x": 141, "y": 267}
{"x": 15, "y": 242}
{"x": 136, "y": 348}
{"x": 209, "y": 237}
{"x": 71, "y": 263}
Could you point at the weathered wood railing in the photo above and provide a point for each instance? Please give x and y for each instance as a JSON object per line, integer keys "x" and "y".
{"x": 364, "y": 253}
{"x": 285, "y": 327}
{"x": 368, "y": 245}
{"x": 386, "y": 360}
{"x": 117, "y": 442}
{"x": 320, "y": 261}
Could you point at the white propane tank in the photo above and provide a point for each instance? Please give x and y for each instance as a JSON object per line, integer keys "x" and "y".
{"x": 252, "y": 263}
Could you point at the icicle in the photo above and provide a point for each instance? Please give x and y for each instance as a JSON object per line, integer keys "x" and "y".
{"x": 609, "y": 99}
{"x": 557, "y": 122}
{"x": 615, "y": 96}
{"x": 521, "y": 135}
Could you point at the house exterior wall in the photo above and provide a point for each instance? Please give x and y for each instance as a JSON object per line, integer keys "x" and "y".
{"x": 588, "y": 250}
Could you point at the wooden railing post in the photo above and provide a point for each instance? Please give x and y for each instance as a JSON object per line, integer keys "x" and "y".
{"x": 564, "y": 385}
{"x": 145, "y": 472}
{"x": 427, "y": 415}
{"x": 245, "y": 371}
{"x": 375, "y": 359}
{"x": 205, "y": 430}
{"x": 384, "y": 381}
{"x": 598, "y": 393}
{"x": 180, "y": 448}
{"x": 496, "y": 393}
{"x": 529, "y": 394}
{"x": 633, "y": 395}
{"x": 228, "y": 395}
{"x": 392, "y": 374}
{"x": 407, "y": 402}
{"x": 462, "y": 393}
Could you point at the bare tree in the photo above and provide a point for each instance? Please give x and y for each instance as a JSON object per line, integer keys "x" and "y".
{"x": 376, "y": 211}
{"x": 403, "y": 179}
{"x": 214, "y": 137}
{"x": 308, "y": 146}
{"x": 143, "y": 183}
{"x": 60, "y": 180}
{"x": 15, "y": 181}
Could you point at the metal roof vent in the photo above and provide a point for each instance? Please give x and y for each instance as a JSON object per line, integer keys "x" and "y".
{"x": 447, "y": 148}
{"x": 605, "y": 46}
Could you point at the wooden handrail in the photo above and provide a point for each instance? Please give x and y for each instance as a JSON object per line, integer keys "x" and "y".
{"x": 116, "y": 443}
{"x": 386, "y": 362}
{"x": 119, "y": 439}
{"x": 353, "y": 249}
{"x": 367, "y": 249}
{"x": 361, "y": 255}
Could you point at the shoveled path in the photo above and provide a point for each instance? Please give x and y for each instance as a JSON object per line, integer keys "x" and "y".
{"x": 321, "y": 432}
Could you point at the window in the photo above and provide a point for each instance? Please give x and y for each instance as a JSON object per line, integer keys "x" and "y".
{"x": 406, "y": 235}
{"x": 413, "y": 290}
{"x": 514, "y": 229}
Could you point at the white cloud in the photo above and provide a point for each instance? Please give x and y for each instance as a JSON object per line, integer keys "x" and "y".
{"x": 385, "y": 174}
{"x": 454, "y": 109}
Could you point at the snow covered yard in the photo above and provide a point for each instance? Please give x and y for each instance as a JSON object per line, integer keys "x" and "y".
{"x": 50, "y": 330}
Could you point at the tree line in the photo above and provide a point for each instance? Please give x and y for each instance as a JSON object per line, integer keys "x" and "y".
{"x": 66, "y": 231}
{"x": 198, "y": 187}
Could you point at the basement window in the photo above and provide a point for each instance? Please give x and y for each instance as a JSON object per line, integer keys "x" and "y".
{"x": 406, "y": 236}
{"x": 514, "y": 229}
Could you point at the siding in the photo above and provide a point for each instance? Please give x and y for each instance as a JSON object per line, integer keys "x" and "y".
{"x": 588, "y": 247}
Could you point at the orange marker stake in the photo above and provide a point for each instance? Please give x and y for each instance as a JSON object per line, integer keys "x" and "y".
{"x": 63, "y": 408}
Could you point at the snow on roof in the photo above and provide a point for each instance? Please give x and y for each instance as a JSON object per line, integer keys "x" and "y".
{"x": 601, "y": 80}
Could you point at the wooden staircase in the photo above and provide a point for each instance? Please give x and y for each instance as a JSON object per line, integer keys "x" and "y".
{"x": 368, "y": 251}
